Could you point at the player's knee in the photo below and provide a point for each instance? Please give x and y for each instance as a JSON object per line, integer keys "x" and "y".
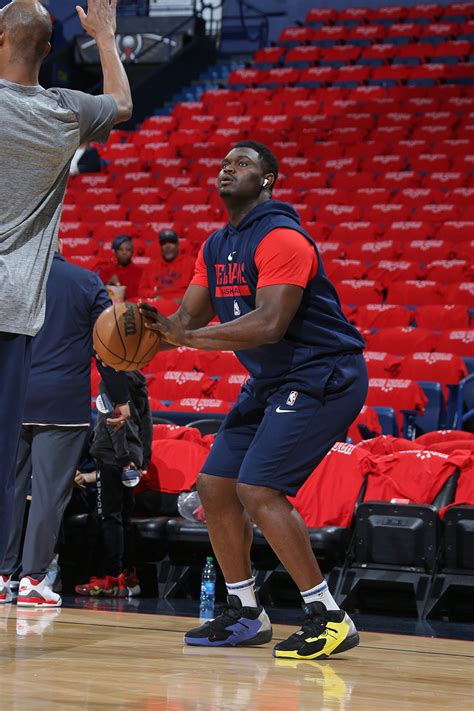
{"x": 255, "y": 499}
{"x": 209, "y": 491}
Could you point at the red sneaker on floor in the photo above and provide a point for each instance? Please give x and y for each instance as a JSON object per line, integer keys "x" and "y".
{"x": 109, "y": 586}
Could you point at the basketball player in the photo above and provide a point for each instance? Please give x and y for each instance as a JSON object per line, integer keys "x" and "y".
{"x": 40, "y": 131}
{"x": 263, "y": 277}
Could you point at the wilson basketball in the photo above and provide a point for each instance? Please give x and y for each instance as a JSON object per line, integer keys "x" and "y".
{"x": 121, "y": 340}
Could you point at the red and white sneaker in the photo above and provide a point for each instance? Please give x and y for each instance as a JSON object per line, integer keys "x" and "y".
{"x": 6, "y": 594}
{"x": 132, "y": 583}
{"x": 36, "y": 593}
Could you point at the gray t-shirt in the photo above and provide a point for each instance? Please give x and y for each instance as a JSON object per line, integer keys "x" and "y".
{"x": 40, "y": 130}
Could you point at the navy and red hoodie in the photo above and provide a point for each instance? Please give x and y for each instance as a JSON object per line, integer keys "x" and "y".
{"x": 319, "y": 327}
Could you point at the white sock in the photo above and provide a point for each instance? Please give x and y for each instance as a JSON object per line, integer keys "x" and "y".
{"x": 245, "y": 591}
{"x": 320, "y": 593}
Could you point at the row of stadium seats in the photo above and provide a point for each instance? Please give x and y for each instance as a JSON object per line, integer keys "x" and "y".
{"x": 407, "y": 503}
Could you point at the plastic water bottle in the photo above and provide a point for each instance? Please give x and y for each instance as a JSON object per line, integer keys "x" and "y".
{"x": 130, "y": 476}
{"x": 189, "y": 505}
{"x": 208, "y": 590}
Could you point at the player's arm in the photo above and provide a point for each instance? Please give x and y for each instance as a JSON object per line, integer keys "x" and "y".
{"x": 275, "y": 307}
{"x": 100, "y": 23}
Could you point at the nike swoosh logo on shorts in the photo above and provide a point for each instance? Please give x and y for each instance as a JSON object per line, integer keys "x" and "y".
{"x": 279, "y": 410}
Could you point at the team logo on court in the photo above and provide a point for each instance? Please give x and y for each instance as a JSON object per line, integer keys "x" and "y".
{"x": 292, "y": 397}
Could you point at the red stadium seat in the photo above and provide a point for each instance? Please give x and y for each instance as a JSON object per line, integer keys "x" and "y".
{"x": 321, "y": 16}
{"x": 359, "y": 292}
{"x": 461, "y": 293}
{"x": 107, "y": 231}
{"x": 150, "y": 135}
{"x": 444, "y": 368}
{"x": 93, "y": 180}
{"x": 175, "y": 384}
{"x": 403, "y": 340}
{"x": 343, "y": 54}
{"x": 329, "y": 496}
{"x": 414, "y": 197}
{"x": 415, "y": 292}
{"x": 374, "y": 251}
{"x": 353, "y": 232}
{"x": 229, "y": 386}
{"x": 74, "y": 230}
{"x": 334, "y": 214}
{"x": 150, "y": 213}
{"x": 436, "y": 212}
{"x": 317, "y": 76}
{"x": 449, "y": 271}
{"x": 246, "y": 77}
{"x": 387, "y": 213}
{"x": 295, "y": 35}
{"x": 302, "y": 56}
{"x": 399, "y": 393}
{"x": 366, "y": 34}
{"x": 103, "y": 213}
{"x": 194, "y": 404}
{"x": 427, "y": 250}
{"x": 382, "y": 316}
{"x": 339, "y": 269}
{"x": 408, "y": 231}
{"x": 369, "y": 419}
{"x": 281, "y": 76}
{"x": 381, "y": 364}
{"x": 384, "y": 163}
{"x": 456, "y": 232}
{"x": 443, "y": 316}
{"x": 456, "y": 341}
{"x": 267, "y": 56}
{"x": 329, "y": 35}
{"x": 387, "y": 271}
{"x": 352, "y": 180}
{"x": 398, "y": 180}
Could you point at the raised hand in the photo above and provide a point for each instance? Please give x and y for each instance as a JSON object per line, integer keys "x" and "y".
{"x": 100, "y": 18}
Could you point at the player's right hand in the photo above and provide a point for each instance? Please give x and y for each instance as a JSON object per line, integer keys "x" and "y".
{"x": 101, "y": 17}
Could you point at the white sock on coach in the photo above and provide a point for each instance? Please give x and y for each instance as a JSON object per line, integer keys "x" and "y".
{"x": 245, "y": 591}
{"x": 320, "y": 593}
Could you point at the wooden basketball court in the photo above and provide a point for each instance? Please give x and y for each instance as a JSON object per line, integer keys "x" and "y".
{"x": 90, "y": 659}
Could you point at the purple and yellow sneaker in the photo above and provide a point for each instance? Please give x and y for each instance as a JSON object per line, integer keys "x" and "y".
{"x": 236, "y": 626}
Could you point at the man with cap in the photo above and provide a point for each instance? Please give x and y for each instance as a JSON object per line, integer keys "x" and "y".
{"x": 173, "y": 269}
{"x": 123, "y": 271}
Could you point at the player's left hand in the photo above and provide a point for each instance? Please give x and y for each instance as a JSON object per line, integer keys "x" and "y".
{"x": 171, "y": 331}
{"x": 119, "y": 415}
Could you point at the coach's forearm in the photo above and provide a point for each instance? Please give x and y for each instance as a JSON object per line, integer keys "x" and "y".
{"x": 115, "y": 79}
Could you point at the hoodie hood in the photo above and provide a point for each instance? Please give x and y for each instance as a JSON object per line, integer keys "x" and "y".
{"x": 269, "y": 207}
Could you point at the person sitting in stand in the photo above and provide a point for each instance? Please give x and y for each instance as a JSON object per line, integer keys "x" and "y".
{"x": 123, "y": 271}
{"x": 173, "y": 269}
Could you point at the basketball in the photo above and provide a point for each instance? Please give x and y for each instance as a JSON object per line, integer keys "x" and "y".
{"x": 121, "y": 340}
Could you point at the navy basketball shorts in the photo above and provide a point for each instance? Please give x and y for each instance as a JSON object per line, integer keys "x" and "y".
{"x": 278, "y": 431}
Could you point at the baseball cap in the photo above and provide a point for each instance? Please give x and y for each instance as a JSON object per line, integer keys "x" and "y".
{"x": 120, "y": 240}
{"x": 168, "y": 236}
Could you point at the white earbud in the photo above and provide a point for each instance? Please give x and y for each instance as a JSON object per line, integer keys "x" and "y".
{"x": 265, "y": 182}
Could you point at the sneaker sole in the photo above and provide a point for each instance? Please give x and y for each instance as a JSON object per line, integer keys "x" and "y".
{"x": 6, "y": 600}
{"x": 135, "y": 590}
{"x": 261, "y": 638}
{"x": 346, "y": 644}
{"x": 36, "y": 602}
